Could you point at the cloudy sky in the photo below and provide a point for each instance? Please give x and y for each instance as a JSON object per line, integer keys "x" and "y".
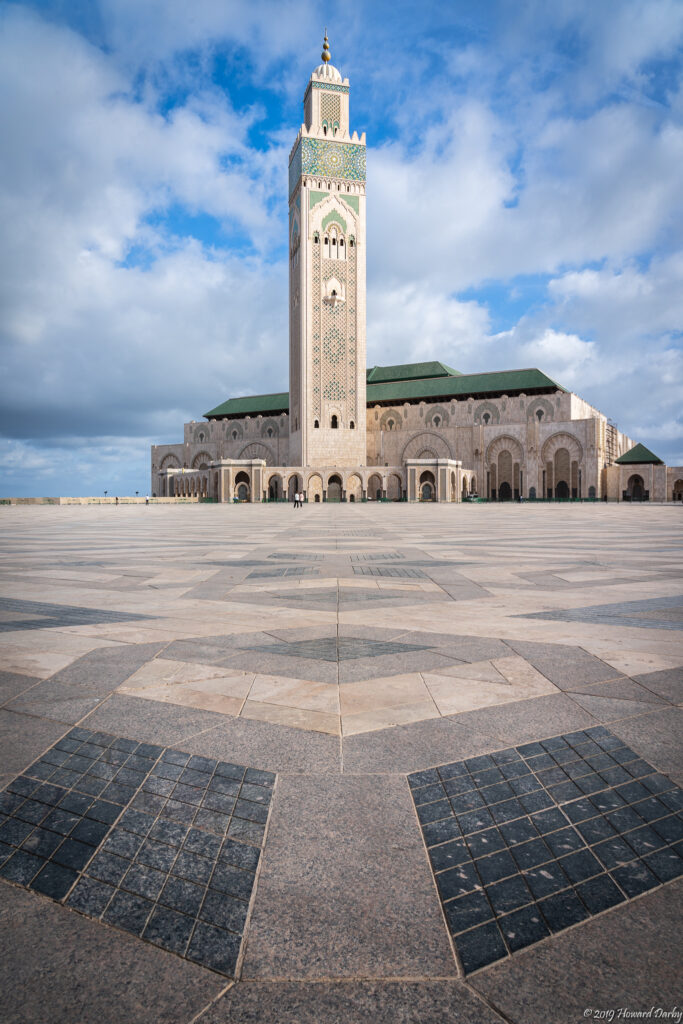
{"x": 525, "y": 208}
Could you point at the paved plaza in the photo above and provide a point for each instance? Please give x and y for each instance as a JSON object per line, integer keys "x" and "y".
{"x": 382, "y": 762}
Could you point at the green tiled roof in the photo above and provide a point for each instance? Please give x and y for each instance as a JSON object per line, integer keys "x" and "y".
{"x": 475, "y": 384}
{"x": 411, "y": 389}
{"x": 409, "y": 371}
{"x": 638, "y": 454}
{"x": 251, "y": 405}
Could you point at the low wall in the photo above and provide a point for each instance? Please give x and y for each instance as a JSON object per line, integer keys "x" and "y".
{"x": 122, "y": 500}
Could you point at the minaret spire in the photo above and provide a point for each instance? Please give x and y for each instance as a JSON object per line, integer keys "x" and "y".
{"x": 326, "y": 56}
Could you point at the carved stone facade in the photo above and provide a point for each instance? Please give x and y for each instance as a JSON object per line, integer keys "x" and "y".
{"x": 422, "y": 432}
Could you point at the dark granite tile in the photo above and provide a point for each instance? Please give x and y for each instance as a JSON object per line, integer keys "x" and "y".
{"x": 467, "y": 911}
{"x": 449, "y": 854}
{"x": 89, "y": 896}
{"x": 122, "y": 843}
{"x": 192, "y": 867}
{"x": 232, "y": 880}
{"x": 182, "y": 895}
{"x": 480, "y": 947}
{"x": 580, "y": 865}
{"x": 496, "y": 866}
{"x": 42, "y": 842}
{"x": 666, "y": 864}
{"x": 106, "y": 867}
{"x": 169, "y": 929}
{"x": 136, "y": 821}
{"x": 168, "y": 832}
{"x": 239, "y": 855}
{"x": 440, "y": 831}
{"x": 91, "y": 832}
{"x": 21, "y": 867}
{"x": 599, "y": 893}
{"x": 224, "y": 911}
{"x": 510, "y": 894}
{"x": 528, "y": 855}
{"x": 54, "y": 880}
{"x": 72, "y": 854}
{"x": 128, "y": 912}
{"x": 523, "y": 927}
{"x": 143, "y": 881}
{"x": 489, "y": 841}
{"x": 14, "y": 832}
{"x": 156, "y": 855}
{"x": 634, "y": 878}
{"x": 562, "y": 910}
{"x": 457, "y": 881}
{"x": 213, "y": 948}
{"x": 546, "y": 879}
{"x": 613, "y": 852}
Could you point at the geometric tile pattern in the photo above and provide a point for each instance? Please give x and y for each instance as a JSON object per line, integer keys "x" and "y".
{"x": 389, "y": 571}
{"x": 41, "y": 615}
{"x": 149, "y": 839}
{"x": 530, "y": 840}
{"x": 338, "y": 648}
{"x": 653, "y": 613}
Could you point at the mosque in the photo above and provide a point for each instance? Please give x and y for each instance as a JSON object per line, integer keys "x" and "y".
{"x": 413, "y": 432}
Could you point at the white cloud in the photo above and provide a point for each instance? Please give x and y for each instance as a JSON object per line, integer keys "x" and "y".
{"x": 409, "y": 324}
{"x": 515, "y": 156}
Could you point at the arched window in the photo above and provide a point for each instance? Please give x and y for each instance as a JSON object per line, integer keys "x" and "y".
{"x": 437, "y": 420}
{"x": 390, "y": 424}
{"x": 316, "y": 238}
{"x": 351, "y": 243}
{"x": 316, "y": 424}
{"x": 539, "y": 415}
{"x": 234, "y": 435}
{"x": 326, "y": 247}
{"x": 324, "y": 129}
{"x": 352, "y": 425}
{"x": 486, "y": 417}
{"x": 270, "y": 431}
{"x": 335, "y": 423}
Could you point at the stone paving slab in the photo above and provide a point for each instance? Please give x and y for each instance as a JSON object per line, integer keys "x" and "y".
{"x": 345, "y": 888}
{"x": 410, "y": 1002}
{"x": 146, "y": 612}
{"x": 60, "y": 967}
{"x": 155, "y": 841}
{"x": 530, "y": 840}
{"x": 604, "y": 964}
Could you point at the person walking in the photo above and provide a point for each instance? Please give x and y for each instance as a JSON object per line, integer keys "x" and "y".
{"x": 296, "y": 499}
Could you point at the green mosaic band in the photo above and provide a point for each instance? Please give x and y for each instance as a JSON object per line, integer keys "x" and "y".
{"x": 343, "y": 160}
{"x": 327, "y": 88}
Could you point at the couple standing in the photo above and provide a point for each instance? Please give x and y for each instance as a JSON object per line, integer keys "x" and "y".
{"x": 298, "y": 500}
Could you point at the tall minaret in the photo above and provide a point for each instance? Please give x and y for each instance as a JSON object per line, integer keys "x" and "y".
{"x": 327, "y": 279}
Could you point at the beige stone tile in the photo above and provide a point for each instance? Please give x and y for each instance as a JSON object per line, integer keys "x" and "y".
{"x": 633, "y": 663}
{"x": 41, "y": 664}
{"x": 384, "y": 718}
{"x": 387, "y": 692}
{"x": 166, "y": 672}
{"x": 317, "y": 721}
{"x": 453, "y": 695}
{"x": 296, "y": 693}
{"x": 185, "y": 696}
{"x": 520, "y": 673}
{"x": 480, "y": 670}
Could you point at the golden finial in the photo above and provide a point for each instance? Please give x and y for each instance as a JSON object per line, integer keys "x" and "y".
{"x": 326, "y": 50}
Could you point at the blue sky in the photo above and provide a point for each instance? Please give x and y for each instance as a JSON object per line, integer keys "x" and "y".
{"x": 525, "y": 207}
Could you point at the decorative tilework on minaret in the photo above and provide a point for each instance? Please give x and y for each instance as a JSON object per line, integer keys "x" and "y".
{"x": 327, "y": 278}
